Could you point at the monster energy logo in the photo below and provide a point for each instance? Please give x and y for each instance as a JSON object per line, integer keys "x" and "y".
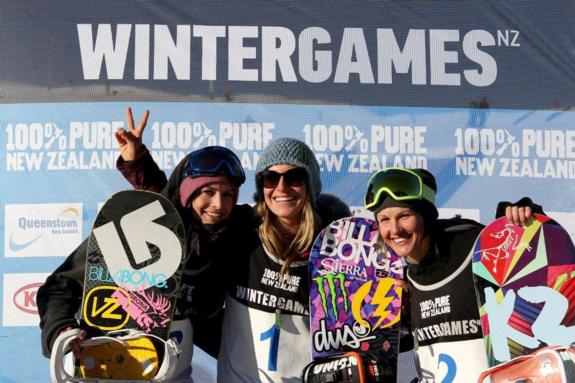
{"x": 331, "y": 279}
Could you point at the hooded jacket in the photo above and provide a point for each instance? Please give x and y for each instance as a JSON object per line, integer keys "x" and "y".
{"x": 202, "y": 288}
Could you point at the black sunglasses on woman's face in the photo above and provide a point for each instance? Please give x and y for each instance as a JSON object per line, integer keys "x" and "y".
{"x": 293, "y": 178}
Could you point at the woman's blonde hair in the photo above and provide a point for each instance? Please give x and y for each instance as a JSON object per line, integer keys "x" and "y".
{"x": 291, "y": 248}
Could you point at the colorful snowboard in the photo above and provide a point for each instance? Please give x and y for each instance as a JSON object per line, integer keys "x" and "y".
{"x": 525, "y": 286}
{"x": 354, "y": 304}
{"x": 136, "y": 253}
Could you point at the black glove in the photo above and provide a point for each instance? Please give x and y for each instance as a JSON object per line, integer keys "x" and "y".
{"x": 525, "y": 201}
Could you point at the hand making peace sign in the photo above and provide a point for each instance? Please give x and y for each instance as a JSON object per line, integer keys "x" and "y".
{"x": 130, "y": 141}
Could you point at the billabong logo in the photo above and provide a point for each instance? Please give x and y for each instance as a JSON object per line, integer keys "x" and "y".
{"x": 25, "y": 298}
{"x": 331, "y": 285}
{"x": 35, "y": 228}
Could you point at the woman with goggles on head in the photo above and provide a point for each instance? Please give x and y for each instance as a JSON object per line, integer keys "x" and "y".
{"x": 437, "y": 252}
{"x": 265, "y": 335}
{"x": 204, "y": 188}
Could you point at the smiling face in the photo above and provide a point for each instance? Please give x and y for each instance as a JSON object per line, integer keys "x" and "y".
{"x": 214, "y": 202}
{"x": 402, "y": 229}
{"x": 284, "y": 200}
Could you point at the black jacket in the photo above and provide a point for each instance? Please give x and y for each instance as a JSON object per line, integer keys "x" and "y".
{"x": 445, "y": 319}
{"x": 202, "y": 290}
{"x": 59, "y": 299}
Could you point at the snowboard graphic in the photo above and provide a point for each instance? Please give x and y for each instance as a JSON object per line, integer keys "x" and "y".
{"x": 136, "y": 253}
{"x": 354, "y": 303}
{"x": 525, "y": 287}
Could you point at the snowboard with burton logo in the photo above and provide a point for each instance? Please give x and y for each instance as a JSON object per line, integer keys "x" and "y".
{"x": 136, "y": 254}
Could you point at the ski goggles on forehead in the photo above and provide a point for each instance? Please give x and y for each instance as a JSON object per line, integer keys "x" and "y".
{"x": 294, "y": 178}
{"x": 212, "y": 160}
{"x": 398, "y": 183}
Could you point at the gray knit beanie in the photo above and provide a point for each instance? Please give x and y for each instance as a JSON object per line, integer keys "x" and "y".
{"x": 291, "y": 152}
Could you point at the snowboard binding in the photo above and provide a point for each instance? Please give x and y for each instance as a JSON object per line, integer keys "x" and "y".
{"x": 349, "y": 367}
{"x": 116, "y": 357}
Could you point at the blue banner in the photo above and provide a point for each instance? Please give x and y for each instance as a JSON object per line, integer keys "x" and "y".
{"x": 479, "y": 93}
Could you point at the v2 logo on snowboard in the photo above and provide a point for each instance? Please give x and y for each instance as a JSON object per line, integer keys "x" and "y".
{"x": 104, "y": 311}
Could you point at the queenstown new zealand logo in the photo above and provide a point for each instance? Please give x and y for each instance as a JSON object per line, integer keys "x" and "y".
{"x": 32, "y": 226}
